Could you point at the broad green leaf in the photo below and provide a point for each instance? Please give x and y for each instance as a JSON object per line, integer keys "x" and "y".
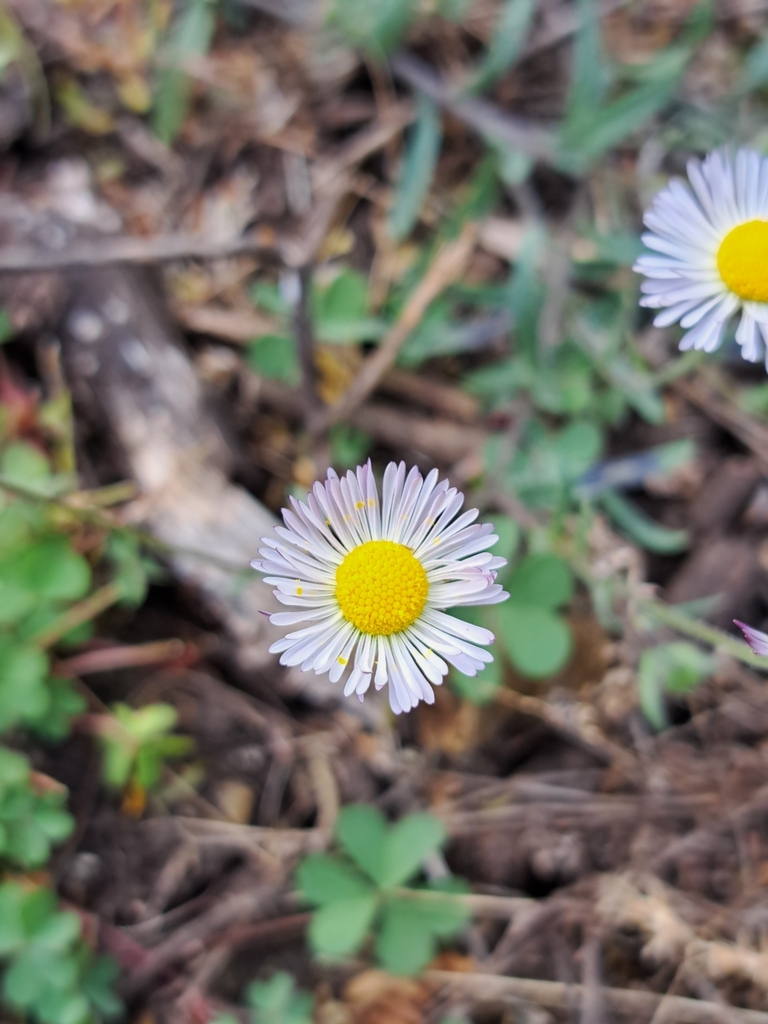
{"x": 50, "y": 569}
{"x": 506, "y": 44}
{"x": 508, "y": 532}
{"x": 482, "y": 688}
{"x": 275, "y": 356}
{"x": 418, "y": 168}
{"x": 59, "y": 932}
{"x": 542, "y": 580}
{"x": 55, "y": 822}
{"x": 147, "y": 722}
{"x": 14, "y": 768}
{"x": 322, "y": 879}
{"x": 537, "y": 642}
{"x": 405, "y": 942}
{"x": 98, "y": 984}
{"x": 340, "y": 928}
{"x": 24, "y": 464}
{"x": 13, "y": 930}
{"x": 361, "y": 831}
{"x": 443, "y": 915}
{"x": 639, "y": 528}
{"x": 23, "y": 694}
{"x": 407, "y": 844}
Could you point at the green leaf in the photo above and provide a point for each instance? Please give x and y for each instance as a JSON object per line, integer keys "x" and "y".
{"x": 98, "y": 982}
{"x": 23, "y": 694}
{"x": 639, "y": 528}
{"x": 349, "y": 446}
{"x": 508, "y": 531}
{"x": 676, "y": 668}
{"x": 13, "y": 931}
{"x": 586, "y": 141}
{"x": 340, "y": 928}
{"x": 130, "y": 569}
{"x": 537, "y": 642}
{"x": 405, "y": 943}
{"x": 590, "y": 78}
{"x": 275, "y": 356}
{"x": 24, "y": 464}
{"x": 407, "y": 844}
{"x": 376, "y": 26}
{"x": 418, "y": 168}
{"x": 507, "y": 41}
{"x": 49, "y": 569}
{"x": 482, "y": 688}
{"x": 191, "y": 34}
{"x": 542, "y": 580}
{"x": 59, "y": 932}
{"x": 361, "y": 831}
{"x": 340, "y": 312}
{"x": 14, "y": 768}
{"x": 323, "y": 879}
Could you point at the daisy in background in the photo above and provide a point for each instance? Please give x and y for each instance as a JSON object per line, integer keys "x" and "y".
{"x": 711, "y": 252}
{"x": 371, "y": 580}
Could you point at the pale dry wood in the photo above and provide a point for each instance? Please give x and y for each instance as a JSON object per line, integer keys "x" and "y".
{"x": 638, "y": 1005}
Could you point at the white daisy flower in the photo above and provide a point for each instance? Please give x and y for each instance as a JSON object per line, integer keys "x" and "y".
{"x": 712, "y": 244}
{"x": 372, "y": 580}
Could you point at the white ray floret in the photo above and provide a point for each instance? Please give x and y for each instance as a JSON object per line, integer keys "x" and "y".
{"x": 370, "y": 581}
{"x": 710, "y": 259}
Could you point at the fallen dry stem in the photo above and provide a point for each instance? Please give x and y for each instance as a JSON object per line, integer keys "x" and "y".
{"x": 446, "y": 268}
{"x": 556, "y": 995}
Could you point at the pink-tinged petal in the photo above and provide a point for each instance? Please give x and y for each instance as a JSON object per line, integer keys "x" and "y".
{"x": 757, "y": 641}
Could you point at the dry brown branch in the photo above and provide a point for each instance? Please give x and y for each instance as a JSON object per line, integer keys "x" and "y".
{"x": 447, "y": 267}
{"x": 481, "y": 116}
{"x": 556, "y": 995}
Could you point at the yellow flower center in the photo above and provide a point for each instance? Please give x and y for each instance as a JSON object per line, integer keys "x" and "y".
{"x": 742, "y": 260}
{"x": 381, "y": 587}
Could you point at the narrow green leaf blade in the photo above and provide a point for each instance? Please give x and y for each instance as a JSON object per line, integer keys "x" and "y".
{"x": 418, "y": 168}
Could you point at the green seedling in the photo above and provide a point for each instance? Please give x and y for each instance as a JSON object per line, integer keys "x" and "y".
{"x": 50, "y": 975}
{"x": 366, "y": 889}
{"x": 32, "y": 819}
{"x": 136, "y": 744}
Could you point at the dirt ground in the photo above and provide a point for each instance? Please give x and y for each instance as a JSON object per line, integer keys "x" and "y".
{"x": 619, "y": 870}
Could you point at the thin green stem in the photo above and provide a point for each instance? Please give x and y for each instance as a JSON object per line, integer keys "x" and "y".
{"x": 78, "y": 614}
{"x": 679, "y": 621}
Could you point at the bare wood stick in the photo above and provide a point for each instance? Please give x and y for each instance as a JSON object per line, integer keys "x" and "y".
{"x": 129, "y": 656}
{"x": 98, "y": 252}
{"x": 557, "y": 995}
{"x": 486, "y": 118}
{"x": 446, "y": 268}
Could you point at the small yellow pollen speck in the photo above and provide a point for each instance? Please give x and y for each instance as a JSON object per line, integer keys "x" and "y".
{"x": 299, "y": 591}
{"x": 359, "y": 504}
{"x": 372, "y": 503}
{"x": 327, "y": 522}
{"x": 381, "y": 587}
{"x": 742, "y": 260}
{"x": 342, "y": 661}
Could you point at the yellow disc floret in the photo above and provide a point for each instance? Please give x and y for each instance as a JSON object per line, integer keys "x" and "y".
{"x": 742, "y": 260}
{"x": 381, "y": 587}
